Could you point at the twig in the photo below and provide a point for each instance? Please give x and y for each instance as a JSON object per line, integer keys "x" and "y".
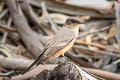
{"x": 99, "y": 52}
{"x": 6, "y": 74}
{"x": 4, "y": 28}
{"x": 3, "y": 13}
{"x": 5, "y": 51}
{"x": 97, "y": 31}
{"x": 6, "y": 33}
{"x": 92, "y": 44}
{"x": 54, "y": 27}
{"x": 95, "y": 45}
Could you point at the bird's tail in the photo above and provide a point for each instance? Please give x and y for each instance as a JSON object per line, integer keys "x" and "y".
{"x": 38, "y": 60}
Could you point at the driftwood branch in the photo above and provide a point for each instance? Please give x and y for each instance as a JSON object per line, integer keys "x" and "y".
{"x": 63, "y": 71}
{"x": 4, "y": 28}
{"x": 76, "y": 10}
{"x": 14, "y": 63}
{"x": 29, "y": 37}
{"x": 27, "y": 9}
{"x": 95, "y": 5}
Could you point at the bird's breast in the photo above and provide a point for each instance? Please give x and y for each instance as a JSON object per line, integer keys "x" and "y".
{"x": 65, "y": 49}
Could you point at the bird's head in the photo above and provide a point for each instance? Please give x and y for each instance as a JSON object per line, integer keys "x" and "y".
{"x": 73, "y": 22}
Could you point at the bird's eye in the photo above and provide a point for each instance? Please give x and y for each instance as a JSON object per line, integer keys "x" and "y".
{"x": 69, "y": 22}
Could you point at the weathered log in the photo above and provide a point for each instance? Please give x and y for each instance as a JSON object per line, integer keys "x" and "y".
{"x": 52, "y": 5}
{"x": 65, "y": 71}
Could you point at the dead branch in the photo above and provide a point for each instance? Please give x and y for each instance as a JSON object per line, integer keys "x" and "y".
{"x": 103, "y": 74}
{"x": 26, "y": 7}
{"x": 69, "y": 70}
{"x": 29, "y": 37}
{"x": 4, "y": 28}
{"x": 81, "y": 48}
{"x": 71, "y": 10}
{"x": 14, "y": 63}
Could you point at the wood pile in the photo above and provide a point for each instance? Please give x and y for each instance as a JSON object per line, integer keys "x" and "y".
{"x": 27, "y": 25}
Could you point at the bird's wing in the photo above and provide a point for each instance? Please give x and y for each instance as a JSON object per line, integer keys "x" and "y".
{"x": 62, "y": 39}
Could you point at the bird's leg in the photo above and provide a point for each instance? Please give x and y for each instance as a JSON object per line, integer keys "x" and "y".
{"x": 67, "y": 59}
{"x": 63, "y": 59}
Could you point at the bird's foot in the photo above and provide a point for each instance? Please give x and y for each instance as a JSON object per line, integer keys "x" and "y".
{"x": 63, "y": 59}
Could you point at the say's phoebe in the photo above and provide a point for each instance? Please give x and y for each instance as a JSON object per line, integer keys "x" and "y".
{"x": 61, "y": 42}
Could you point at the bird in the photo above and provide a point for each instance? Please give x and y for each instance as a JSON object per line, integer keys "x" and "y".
{"x": 61, "y": 42}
